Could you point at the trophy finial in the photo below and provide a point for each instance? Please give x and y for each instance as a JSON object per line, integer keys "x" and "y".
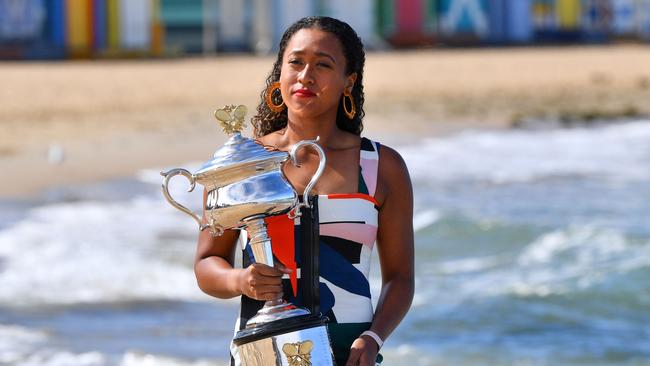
{"x": 231, "y": 118}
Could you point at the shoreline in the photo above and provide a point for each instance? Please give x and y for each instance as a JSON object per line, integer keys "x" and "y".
{"x": 86, "y": 121}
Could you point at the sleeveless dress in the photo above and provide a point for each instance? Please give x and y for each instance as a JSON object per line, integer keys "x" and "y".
{"x": 348, "y": 229}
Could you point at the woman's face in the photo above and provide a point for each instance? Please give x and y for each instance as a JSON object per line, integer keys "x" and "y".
{"x": 312, "y": 77}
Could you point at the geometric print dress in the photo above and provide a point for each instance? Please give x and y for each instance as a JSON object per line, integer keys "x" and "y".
{"x": 348, "y": 230}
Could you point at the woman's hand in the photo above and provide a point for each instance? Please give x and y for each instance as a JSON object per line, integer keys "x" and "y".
{"x": 261, "y": 282}
{"x": 363, "y": 352}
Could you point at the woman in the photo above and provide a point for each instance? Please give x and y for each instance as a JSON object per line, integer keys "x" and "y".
{"x": 364, "y": 195}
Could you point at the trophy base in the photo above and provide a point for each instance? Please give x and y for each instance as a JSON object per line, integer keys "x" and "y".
{"x": 299, "y": 340}
{"x": 275, "y": 310}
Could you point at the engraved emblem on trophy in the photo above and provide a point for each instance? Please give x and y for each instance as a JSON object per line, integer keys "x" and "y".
{"x": 245, "y": 184}
{"x": 299, "y": 353}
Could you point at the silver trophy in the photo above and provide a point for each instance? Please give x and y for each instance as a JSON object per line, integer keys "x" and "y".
{"x": 245, "y": 184}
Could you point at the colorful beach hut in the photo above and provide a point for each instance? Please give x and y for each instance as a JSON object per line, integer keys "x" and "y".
{"x": 568, "y": 14}
{"x": 596, "y": 20}
{"x": 624, "y": 22}
{"x": 135, "y": 25}
{"x": 23, "y": 29}
{"x": 543, "y": 15}
{"x": 261, "y": 28}
{"x": 643, "y": 19}
{"x": 464, "y": 19}
{"x": 510, "y": 21}
{"x": 55, "y": 30}
{"x": 79, "y": 28}
{"x": 21, "y": 20}
{"x": 357, "y": 13}
{"x": 407, "y": 22}
{"x": 99, "y": 25}
{"x": 233, "y": 25}
{"x": 286, "y": 12}
{"x": 557, "y": 20}
{"x": 183, "y": 25}
{"x": 271, "y": 18}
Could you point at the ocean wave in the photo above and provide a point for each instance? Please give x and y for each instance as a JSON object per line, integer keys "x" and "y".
{"x": 415, "y": 355}
{"x": 79, "y": 252}
{"x": 20, "y": 346}
{"x": 145, "y": 359}
{"x": 442, "y": 353}
{"x": 53, "y": 357}
{"x": 468, "y": 265}
{"x": 424, "y": 219}
{"x": 577, "y": 259}
{"x": 559, "y": 262}
{"x": 616, "y": 152}
{"x": 17, "y": 342}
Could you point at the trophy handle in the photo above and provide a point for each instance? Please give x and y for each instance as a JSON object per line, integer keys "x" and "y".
{"x": 165, "y": 189}
{"x": 321, "y": 166}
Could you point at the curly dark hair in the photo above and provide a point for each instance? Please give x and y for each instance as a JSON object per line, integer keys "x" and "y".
{"x": 267, "y": 121}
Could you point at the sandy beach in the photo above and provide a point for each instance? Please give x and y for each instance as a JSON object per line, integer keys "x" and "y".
{"x": 67, "y": 123}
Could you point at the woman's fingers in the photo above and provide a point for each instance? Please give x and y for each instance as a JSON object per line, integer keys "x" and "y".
{"x": 263, "y": 289}
{"x": 361, "y": 353}
{"x": 282, "y": 268}
{"x": 353, "y": 359}
{"x": 262, "y": 282}
{"x": 268, "y": 292}
{"x": 265, "y": 270}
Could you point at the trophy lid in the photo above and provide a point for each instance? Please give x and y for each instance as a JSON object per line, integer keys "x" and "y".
{"x": 239, "y": 152}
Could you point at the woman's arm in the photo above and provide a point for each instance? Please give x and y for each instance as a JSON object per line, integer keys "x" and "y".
{"x": 213, "y": 267}
{"x": 395, "y": 249}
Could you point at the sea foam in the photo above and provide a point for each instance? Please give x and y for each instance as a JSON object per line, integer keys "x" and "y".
{"x": 616, "y": 152}
{"x": 76, "y": 252}
{"x": 562, "y": 261}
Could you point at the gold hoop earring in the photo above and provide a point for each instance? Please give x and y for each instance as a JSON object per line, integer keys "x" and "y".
{"x": 350, "y": 113}
{"x": 268, "y": 96}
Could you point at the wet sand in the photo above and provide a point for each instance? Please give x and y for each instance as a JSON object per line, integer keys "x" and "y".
{"x": 66, "y": 123}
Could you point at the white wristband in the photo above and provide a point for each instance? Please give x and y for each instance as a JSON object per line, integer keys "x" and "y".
{"x": 374, "y": 336}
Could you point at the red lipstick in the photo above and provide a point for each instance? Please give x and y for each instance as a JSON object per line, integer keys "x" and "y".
{"x": 304, "y": 92}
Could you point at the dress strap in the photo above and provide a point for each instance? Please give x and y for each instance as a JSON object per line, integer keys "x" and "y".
{"x": 369, "y": 165}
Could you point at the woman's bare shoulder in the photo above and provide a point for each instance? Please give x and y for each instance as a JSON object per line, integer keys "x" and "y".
{"x": 390, "y": 160}
{"x": 393, "y": 173}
